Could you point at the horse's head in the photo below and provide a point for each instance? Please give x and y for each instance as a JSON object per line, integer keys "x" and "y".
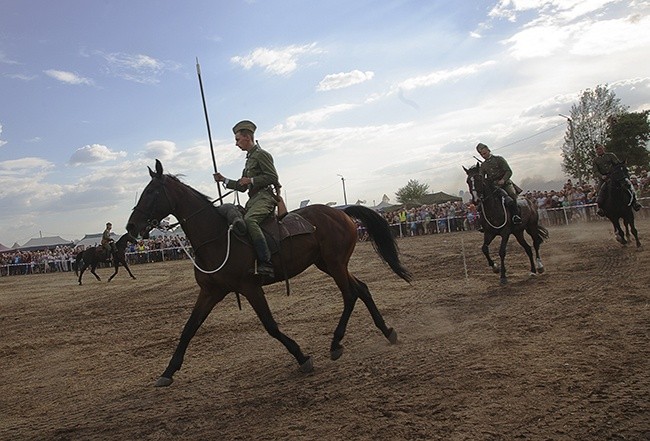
{"x": 619, "y": 173}
{"x": 153, "y": 206}
{"x": 475, "y": 182}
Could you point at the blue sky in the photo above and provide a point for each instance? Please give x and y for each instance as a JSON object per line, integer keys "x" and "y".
{"x": 379, "y": 92}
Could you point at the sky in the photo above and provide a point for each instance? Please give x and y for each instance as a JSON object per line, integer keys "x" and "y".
{"x": 363, "y": 95}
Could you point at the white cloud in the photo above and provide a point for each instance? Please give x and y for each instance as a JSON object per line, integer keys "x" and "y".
{"x": 280, "y": 61}
{"x": 440, "y": 76}
{"x": 68, "y": 77}
{"x": 89, "y": 154}
{"x": 21, "y": 77}
{"x": 612, "y": 36}
{"x": 5, "y": 60}
{"x": 316, "y": 116}
{"x": 162, "y": 150}
{"x": 24, "y": 165}
{"x": 138, "y": 68}
{"x": 344, "y": 79}
{"x": 2, "y": 142}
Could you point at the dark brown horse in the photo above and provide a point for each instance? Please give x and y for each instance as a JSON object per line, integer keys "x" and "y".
{"x": 496, "y": 221}
{"x": 618, "y": 204}
{"x": 93, "y": 256}
{"x": 223, "y": 261}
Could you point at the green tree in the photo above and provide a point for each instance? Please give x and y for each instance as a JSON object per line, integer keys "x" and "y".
{"x": 411, "y": 192}
{"x": 588, "y": 125}
{"x": 628, "y": 135}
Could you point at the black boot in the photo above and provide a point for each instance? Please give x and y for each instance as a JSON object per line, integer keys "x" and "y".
{"x": 264, "y": 265}
{"x": 516, "y": 214}
{"x": 636, "y": 206}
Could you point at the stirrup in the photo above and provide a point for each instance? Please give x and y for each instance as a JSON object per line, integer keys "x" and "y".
{"x": 637, "y": 206}
{"x": 264, "y": 269}
{"x": 516, "y": 219}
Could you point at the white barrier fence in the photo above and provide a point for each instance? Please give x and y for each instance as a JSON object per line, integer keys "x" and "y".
{"x": 548, "y": 217}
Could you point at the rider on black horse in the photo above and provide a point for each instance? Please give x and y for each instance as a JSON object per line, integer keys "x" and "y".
{"x": 497, "y": 171}
{"x": 603, "y": 163}
{"x": 108, "y": 244}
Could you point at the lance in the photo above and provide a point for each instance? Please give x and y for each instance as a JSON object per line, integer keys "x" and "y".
{"x": 207, "y": 122}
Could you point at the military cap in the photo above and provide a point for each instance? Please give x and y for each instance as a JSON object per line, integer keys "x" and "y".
{"x": 480, "y": 146}
{"x": 245, "y": 124}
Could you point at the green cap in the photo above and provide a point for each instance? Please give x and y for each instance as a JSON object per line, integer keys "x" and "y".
{"x": 245, "y": 124}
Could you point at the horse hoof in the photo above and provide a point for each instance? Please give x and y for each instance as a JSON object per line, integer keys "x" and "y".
{"x": 496, "y": 269}
{"x": 533, "y": 274}
{"x": 307, "y": 366}
{"x": 540, "y": 270}
{"x": 164, "y": 382}
{"x": 336, "y": 354}
{"x": 392, "y": 336}
{"x": 504, "y": 281}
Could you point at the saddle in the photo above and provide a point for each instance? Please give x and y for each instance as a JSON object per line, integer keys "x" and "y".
{"x": 275, "y": 228}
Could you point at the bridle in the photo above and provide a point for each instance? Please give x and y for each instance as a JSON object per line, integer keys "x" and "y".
{"x": 479, "y": 197}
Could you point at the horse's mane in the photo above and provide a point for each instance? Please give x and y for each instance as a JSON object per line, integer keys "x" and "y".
{"x": 194, "y": 191}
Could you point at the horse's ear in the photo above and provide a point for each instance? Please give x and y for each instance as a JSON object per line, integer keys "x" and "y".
{"x": 159, "y": 170}
{"x": 466, "y": 171}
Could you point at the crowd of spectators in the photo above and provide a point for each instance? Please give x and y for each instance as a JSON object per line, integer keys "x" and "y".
{"x": 61, "y": 259}
{"x": 574, "y": 202}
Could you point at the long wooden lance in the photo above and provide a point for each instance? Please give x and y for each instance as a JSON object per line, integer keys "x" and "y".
{"x": 207, "y": 122}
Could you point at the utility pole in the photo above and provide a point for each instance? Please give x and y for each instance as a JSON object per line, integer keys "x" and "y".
{"x": 575, "y": 150}
{"x": 345, "y": 198}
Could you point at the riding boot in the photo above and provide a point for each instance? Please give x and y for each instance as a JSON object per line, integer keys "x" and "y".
{"x": 264, "y": 265}
{"x": 514, "y": 210}
{"x": 600, "y": 201}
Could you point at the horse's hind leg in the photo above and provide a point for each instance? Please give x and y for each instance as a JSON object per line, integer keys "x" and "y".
{"x": 92, "y": 270}
{"x": 635, "y": 233}
{"x": 529, "y": 251}
{"x": 257, "y": 300}
{"x": 81, "y": 273}
{"x": 365, "y": 296}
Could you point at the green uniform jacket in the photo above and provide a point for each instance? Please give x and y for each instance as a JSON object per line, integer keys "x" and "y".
{"x": 496, "y": 168}
{"x": 603, "y": 164}
{"x": 259, "y": 167}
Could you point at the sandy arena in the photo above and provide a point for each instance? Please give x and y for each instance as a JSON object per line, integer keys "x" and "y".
{"x": 563, "y": 356}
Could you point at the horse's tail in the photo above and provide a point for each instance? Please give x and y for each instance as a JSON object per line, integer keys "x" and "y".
{"x": 77, "y": 262}
{"x": 542, "y": 233}
{"x": 381, "y": 236}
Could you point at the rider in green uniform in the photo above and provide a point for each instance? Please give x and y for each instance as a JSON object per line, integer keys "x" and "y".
{"x": 603, "y": 163}
{"x": 258, "y": 177}
{"x": 497, "y": 171}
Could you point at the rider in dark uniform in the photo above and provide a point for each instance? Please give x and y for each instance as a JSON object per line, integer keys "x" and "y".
{"x": 603, "y": 163}
{"x": 497, "y": 171}
{"x": 258, "y": 177}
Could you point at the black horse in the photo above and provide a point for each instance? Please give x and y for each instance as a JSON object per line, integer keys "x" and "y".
{"x": 93, "y": 256}
{"x": 497, "y": 221}
{"x": 618, "y": 204}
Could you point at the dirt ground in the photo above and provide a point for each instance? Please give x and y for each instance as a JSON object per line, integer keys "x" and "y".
{"x": 563, "y": 356}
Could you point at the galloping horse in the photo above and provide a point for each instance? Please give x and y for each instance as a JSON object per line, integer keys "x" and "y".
{"x": 91, "y": 257}
{"x": 618, "y": 204}
{"x": 497, "y": 221}
{"x": 223, "y": 260}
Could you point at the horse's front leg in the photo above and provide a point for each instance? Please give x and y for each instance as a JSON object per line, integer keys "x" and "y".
{"x": 502, "y": 256}
{"x": 204, "y": 304}
{"x": 618, "y": 232}
{"x": 487, "y": 240}
{"x": 256, "y": 298}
